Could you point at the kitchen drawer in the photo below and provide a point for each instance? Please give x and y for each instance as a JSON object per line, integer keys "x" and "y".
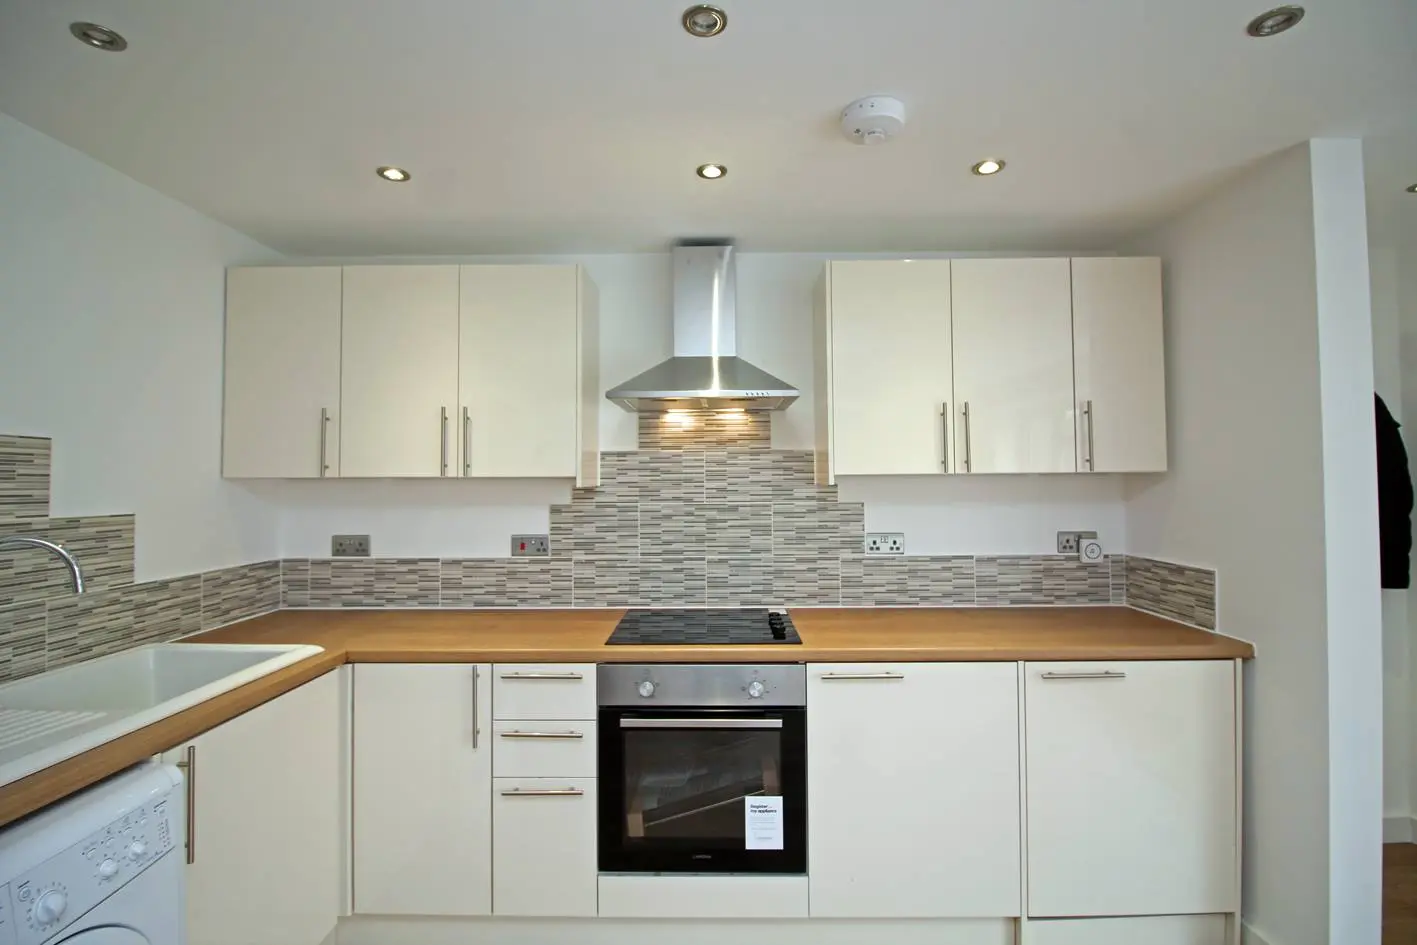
{"x": 543, "y": 749}
{"x": 551, "y": 691}
{"x": 543, "y": 847}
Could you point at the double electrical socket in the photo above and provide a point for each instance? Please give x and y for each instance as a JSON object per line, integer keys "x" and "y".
{"x": 349, "y": 546}
{"x": 1070, "y": 543}
{"x": 885, "y": 543}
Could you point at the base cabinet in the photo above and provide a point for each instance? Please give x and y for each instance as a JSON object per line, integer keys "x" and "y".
{"x": 423, "y": 789}
{"x": 543, "y": 847}
{"x": 913, "y": 790}
{"x": 266, "y": 847}
{"x": 1132, "y": 802}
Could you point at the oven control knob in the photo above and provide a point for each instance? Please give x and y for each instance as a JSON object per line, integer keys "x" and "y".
{"x": 108, "y": 868}
{"x": 50, "y": 906}
{"x": 137, "y": 849}
{"x": 646, "y": 689}
{"x": 756, "y": 689}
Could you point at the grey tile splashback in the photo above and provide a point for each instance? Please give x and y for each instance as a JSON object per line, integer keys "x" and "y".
{"x": 43, "y": 625}
{"x": 696, "y": 429}
{"x": 1178, "y": 591}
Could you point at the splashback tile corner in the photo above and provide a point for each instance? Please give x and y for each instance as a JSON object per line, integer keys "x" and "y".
{"x": 1181, "y": 592}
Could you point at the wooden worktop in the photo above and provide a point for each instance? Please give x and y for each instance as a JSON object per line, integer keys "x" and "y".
{"x": 578, "y": 636}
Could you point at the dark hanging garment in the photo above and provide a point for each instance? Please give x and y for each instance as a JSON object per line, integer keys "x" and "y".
{"x": 1394, "y": 499}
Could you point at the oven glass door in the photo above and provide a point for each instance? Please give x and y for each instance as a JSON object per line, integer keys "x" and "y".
{"x": 676, "y": 787}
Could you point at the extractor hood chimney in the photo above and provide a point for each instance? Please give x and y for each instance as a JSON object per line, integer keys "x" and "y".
{"x": 705, "y": 372}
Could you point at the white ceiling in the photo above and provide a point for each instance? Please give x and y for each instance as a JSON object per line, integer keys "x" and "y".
{"x": 575, "y": 125}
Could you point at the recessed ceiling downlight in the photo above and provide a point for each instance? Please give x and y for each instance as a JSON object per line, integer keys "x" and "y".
{"x": 1412, "y": 189}
{"x": 99, "y": 37}
{"x": 711, "y": 171}
{"x": 396, "y": 174}
{"x": 703, "y": 20}
{"x": 988, "y": 166}
{"x": 1275, "y": 21}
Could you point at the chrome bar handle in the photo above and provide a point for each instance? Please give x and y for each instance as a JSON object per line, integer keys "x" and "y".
{"x": 945, "y": 436}
{"x": 1104, "y": 674}
{"x": 476, "y": 723}
{"x": 543, "y": 676}
{"x": 541, "y": 734}
{"x": 324, "y": 441}
{"x": 443, "y": 445}
{"x": 968, "y": 453}
{"x": 188, "y": 765}
{"x": 702, "y": 723}
{"x": 550, "y": 792}
{"x": 1087, "y": 416}
{"x": 837, "y": 676}
{"x": 466, "y": 442}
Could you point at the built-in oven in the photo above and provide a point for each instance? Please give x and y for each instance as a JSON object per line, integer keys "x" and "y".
{"x": 703, "y": 768}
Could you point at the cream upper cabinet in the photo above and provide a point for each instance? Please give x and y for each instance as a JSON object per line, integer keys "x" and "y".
{"x": 1132, "y": 796}
{"x": 399, "y": 371}
{"x": 884, "y": 334}
{"x": 266, "y": 792}
{"x": 529, "y": 351}
{"x": 913, "y": 790}
{"x": 282, "y": 388}
{"x": 422, "y": 789}
{"x": 1013, "y": 365}
{"x": 1120, "y": 365}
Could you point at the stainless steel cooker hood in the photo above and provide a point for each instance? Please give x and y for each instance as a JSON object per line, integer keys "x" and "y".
{"x": 705, "y": 371}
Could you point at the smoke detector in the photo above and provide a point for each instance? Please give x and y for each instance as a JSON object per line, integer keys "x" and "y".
{"x": 873, "y": 120}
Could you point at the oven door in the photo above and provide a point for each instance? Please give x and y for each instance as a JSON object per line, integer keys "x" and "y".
{"x": 678, "y": 789}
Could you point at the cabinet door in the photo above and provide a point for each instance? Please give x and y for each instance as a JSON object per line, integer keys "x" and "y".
{"x": 1131, "y": 788}
{"x": 890, "y": 367}
{"x": 266, "y": 844}
{"x": 399, "y": 371}
{"x": 520, "y": 353}
{"x": 282, "y": 403}
{"x": 1013, "y": 365}
{"x": 543, "y": 841}
{"x": 913, "y": 784}
{"x": 422, "y": 789}
{"x": 1120, "y": 364}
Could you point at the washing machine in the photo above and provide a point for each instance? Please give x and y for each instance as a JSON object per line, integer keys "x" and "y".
{"x": 104, "y": 867}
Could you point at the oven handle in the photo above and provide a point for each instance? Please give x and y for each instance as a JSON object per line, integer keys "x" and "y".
{"x": 701, "y": 723}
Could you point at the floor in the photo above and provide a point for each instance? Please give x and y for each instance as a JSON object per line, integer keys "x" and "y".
{"x": 1400, "y": 894}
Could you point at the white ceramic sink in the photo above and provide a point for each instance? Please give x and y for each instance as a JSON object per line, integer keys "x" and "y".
{"x": 56, "y": 715}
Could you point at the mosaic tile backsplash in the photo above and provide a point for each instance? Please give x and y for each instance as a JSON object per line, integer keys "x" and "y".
{"x": 702, "y": 514}
{"x": 44, "y": 625}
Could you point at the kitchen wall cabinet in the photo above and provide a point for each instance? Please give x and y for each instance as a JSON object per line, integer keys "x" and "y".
{"x": 529, "y": 379}
{"x": 914, "y": 783}
{"x": 399, "y": 371}
{"x": 543, "y": 843}
{"x": 422, "y": 789}
{"x": 281, "y": 402}
{"x": 1013, "y": 365}
{"x": 1132, "y": 803}
{"x": 887, "y": 351}
{"x": 267, "y": 846}
{"x": 1119, "y": 364}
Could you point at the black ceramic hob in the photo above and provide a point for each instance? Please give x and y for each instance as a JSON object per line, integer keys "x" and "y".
{"x": 655, "y": 627}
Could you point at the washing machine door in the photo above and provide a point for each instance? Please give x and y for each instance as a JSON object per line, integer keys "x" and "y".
{"x": 104, "y": 935}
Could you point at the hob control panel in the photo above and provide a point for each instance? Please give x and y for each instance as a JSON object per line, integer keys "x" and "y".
{"x": 50, "y": 896}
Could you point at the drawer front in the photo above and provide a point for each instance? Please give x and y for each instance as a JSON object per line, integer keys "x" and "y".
{"x": 543, "y": 847}
{"x": 543, "y": 750}
{"x": 1153, "y": 930}
{"x": 550, "y": 691}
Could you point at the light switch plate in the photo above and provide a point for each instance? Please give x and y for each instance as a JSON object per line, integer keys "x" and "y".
{"x": 531, "y": 546}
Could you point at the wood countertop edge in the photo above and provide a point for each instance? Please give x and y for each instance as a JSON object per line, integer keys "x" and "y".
{"x": 33, "y": 792}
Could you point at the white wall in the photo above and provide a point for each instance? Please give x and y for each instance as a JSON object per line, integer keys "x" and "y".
{"x": 1251, "y": 452}
{"x": 986, "y": 516}
{"x": 111, "y": 299}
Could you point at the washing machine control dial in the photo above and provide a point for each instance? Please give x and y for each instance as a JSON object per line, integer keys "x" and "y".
{"x": 50, "y": 906}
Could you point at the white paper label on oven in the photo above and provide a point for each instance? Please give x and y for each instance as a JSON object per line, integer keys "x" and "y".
{"x": 762, "y": 826}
